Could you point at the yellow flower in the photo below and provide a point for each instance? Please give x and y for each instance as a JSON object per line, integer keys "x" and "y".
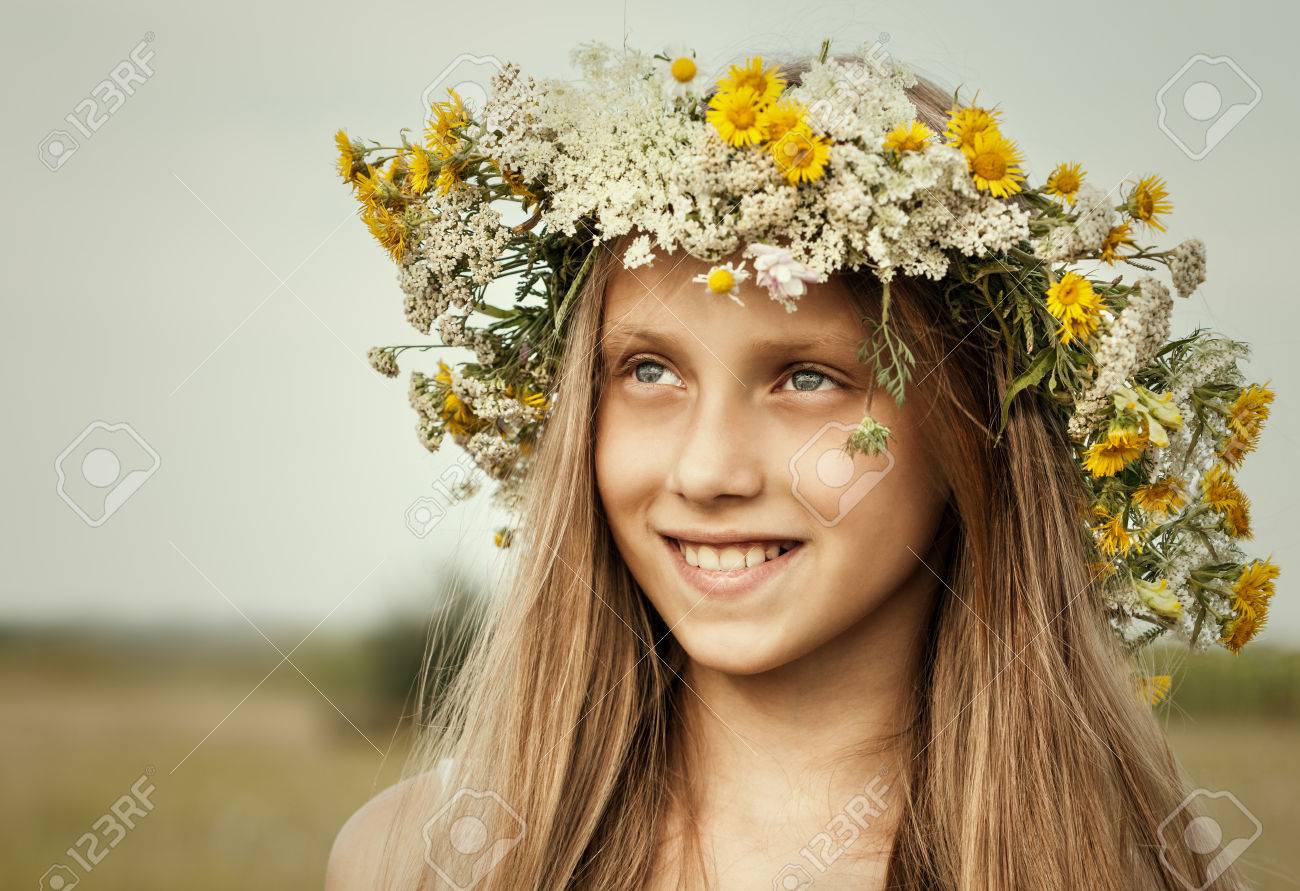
{"x": 1220, "y": 492}
{"x": 1249, "y": 410}
{"x": 1155, "y": 689}
{"x": 994, "y": 163}
{"x": 1117, "y": 237}
{"x": 351, "y": 157}
{"x": 459, "y": 419}
{"x": 780, "y": 118}
{"x": 767, "y": 83}
{"x": 908, "y": 137}
{"x": 964, "y": 124}
{"x": 440, "y": 134}
{"x": 734, "y": 113}
{"x": 449, "y": 176}
{"x": 503, "y": 537}
{"x": 418, "y": 170}
{"x": 683, "y": 69}
{"x": 387, "y": 227}
{"x": 1078, "y": 307}
{"x": 1162, "y": 497}
{"x": 1108, "y": 456}
{"x": 1149, "y": 201}
{"x": 1064, "y": 182}
{"x": 516, "y": 183}
{"x": 1251, "y": 593}
{"x": 1112, "y": 535}
{"x": 1157, "y": 597}
{"x": 801, "y": 154}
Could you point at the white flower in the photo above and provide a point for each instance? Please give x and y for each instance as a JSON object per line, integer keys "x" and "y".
{"x": 638, "y": 253}
{"x": 681, "y": 74}
{"x": 1187, "y": 266}
{"x": 777, "y": 270}
{"x": 724, "y": 279}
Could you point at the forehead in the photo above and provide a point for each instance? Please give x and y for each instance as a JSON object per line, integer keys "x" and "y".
{"x": 664, "y": 297}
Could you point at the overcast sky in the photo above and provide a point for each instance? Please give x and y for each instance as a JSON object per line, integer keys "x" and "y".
{"x": 190, "y": 267}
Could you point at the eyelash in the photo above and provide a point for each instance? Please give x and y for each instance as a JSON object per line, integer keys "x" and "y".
{"x": 630, "y": 366}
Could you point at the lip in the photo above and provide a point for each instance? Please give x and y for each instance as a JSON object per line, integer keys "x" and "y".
{"x": 732, "y": 583}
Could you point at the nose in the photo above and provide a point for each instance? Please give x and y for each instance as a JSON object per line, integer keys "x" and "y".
{"x": 719, "y": 454}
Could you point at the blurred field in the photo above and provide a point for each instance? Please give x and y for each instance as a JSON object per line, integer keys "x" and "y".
{"x": 249, "y": 792}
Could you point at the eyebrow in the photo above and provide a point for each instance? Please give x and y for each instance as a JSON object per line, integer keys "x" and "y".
{"x": 621, "y": 335}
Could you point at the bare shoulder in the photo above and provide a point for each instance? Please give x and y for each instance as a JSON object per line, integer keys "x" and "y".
{"x": 360, "y": 846}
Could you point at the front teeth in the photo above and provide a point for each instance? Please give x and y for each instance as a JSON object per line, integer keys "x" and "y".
{"x": 731, "y": 557}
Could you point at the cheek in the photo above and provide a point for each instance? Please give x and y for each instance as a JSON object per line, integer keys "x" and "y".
{"x": 628, "y": 462}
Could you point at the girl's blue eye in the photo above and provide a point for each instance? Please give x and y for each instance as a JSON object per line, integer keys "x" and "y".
{"x": 809, "y": 379}
{"x": 648, "y": 371}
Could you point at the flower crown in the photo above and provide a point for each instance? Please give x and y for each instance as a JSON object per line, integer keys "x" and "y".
{"x": 832, "y": 173}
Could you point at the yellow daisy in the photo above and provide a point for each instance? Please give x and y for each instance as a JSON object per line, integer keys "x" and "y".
{"x": 994, "y": 163}
{"x": 908, "y": 138}
{"x": 351, "y": 160}
{"x": 1108, "y": 456}
{"x": 418, "y": 170}
{"x": 734, "y": 113}
{"x": 1064, "y": 182}
{"x": 1249, "y": 410}
{"x": 780, "y": 118}
{"x": 459, "y": 419}
{"x": 1155, "y": 689}
{"x": 1220, "y": 492}
{"x": 964, "y": 124}
{"x": 1149, "y": 201}
{"x": 449, "y": 116}
{"x": 767, "y": 83}
{"x": 801, "y": 154}
{"x": 1251, "y": 594}
{"x": 1078, "y": 307}
{"x": 1112, "y": 535}
{"x": 387, "y": 228}
{"x": 1162, "y": 497}
{"x": 1119, "y": 236}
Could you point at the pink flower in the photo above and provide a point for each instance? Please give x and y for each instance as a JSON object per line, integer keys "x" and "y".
{"x": 777, "y": 270}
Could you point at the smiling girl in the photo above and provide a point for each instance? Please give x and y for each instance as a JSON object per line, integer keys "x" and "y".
{"x": 735, "y": 653}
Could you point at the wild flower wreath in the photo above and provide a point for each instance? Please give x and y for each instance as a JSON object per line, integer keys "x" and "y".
{"x": 832, "y": 173}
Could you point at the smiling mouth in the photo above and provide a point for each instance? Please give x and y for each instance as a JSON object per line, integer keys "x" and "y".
{"x": 733, "y": 557}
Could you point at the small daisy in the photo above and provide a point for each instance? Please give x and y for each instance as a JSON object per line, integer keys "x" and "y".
{"x": 681, "y": 74}
{"x": 801, "y": 154}
{"x": 964, "y": 124}
{"x": 734, "y": 113}
{"x": 908, "y": 138}
{"x": 724, "y": 279}
{"x": 1149, "y": 201}
{"x": 994, "y": 163}
{"x": 767, "y": 83}
{"x": 1064, "y": 182}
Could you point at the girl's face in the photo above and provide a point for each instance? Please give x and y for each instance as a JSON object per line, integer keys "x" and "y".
{"x": 719, "y": 466}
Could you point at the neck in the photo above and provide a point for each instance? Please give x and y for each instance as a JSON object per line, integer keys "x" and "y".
{"x": 796, "y": 745}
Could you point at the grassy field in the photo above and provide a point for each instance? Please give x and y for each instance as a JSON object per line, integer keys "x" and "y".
{"x": 248, "y": 788}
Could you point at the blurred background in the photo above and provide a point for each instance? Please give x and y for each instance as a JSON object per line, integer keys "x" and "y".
{"x": 224, "y": 545}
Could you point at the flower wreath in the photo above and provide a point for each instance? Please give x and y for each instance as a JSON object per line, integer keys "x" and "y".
{"x": 832, "y": 173}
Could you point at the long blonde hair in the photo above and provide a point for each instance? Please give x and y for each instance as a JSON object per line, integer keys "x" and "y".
{"x": 1032, "y": 761}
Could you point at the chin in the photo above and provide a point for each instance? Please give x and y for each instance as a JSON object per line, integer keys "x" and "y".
{"x": 742, "y": 648}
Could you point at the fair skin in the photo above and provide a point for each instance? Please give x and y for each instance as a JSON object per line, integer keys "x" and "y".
{"x": 720, "y": 421}
{"x": 788, "y": 676}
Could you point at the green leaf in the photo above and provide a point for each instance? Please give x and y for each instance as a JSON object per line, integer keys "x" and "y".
{"x": 1031, "y": 376}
